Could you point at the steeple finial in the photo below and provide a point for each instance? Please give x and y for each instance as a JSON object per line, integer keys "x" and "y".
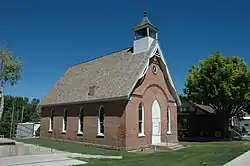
{"x": 145, "y": 13}
{"x": 145, "y": 22}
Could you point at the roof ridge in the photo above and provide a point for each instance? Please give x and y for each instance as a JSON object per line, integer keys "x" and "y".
{"x": 99, "y": 57}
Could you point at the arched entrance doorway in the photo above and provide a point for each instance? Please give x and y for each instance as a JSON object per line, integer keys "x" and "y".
{"x": 156, "y": 122}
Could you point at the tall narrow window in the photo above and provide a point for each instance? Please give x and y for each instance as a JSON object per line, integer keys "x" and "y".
{"x": 65, "y": 118}
{"x": 51, "y": 120}
{"x": 101, "y": 121}
{"x": 81, "y": 117}
{"x": 141, "y": 119}
{"x": 168, "y": 121}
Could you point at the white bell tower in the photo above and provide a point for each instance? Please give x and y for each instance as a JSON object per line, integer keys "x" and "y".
{"x": 145, "y": 33}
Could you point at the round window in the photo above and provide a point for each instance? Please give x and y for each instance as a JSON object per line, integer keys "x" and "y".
{"x": 154, "y": 69}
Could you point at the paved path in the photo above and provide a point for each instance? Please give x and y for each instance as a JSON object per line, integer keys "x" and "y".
{"x": 74, "y": 155}
{"x": 41, "y": 156}
{"x": 242, "y": 160}
{"x": 4, "y": 141}
{"x": 39, "y": 160}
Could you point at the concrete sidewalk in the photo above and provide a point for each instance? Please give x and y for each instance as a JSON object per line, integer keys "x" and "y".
{"x": 242, "y": 160}
{"x": 39, "y": 160}
{"x": 22, "y": 154}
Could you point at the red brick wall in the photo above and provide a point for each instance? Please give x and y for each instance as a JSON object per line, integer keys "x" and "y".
{"x": 121, "y": 117}
{"x": 153, "y": 87}
{"x": 114, "y": 123}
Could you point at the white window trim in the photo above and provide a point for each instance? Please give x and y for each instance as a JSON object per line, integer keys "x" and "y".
{"x": 79, "y": 122}
{"x": 64, "y": 131}
{"x": 169, "y": 122}
{"x": 50, "y": 122}
{"x": 99, "y": 125}
{"x": 142, "y": 121}
{"x": 63, "y": 125}
{"x": 141, "y": 135}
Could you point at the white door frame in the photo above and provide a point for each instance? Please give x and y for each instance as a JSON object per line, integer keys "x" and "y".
{"x": 156, "y": 122}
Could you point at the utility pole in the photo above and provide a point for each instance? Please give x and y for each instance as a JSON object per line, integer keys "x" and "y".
{"x": 2, "y": 100}
{"x": 1, "y": 85}
{"x": 17, "y": 115}
{"x": 22, "y": 115}
{"x": 12, "y": 116}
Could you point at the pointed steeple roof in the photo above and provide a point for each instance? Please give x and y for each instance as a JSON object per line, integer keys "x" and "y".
{"x": 145, "y": 22}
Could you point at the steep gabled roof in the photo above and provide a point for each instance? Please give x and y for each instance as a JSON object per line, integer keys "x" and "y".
{"x": 114, "y": 75}
{"x": 205, "y": 108}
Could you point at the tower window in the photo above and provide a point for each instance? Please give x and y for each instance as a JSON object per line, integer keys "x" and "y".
{"x": 140, "y": 34}
{"x": 152, "y": 34}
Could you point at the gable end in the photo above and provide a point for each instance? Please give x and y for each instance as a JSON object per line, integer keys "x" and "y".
{"x": 155, "y": 50}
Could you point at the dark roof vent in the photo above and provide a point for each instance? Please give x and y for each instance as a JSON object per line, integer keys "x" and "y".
{"x": 157, "y": 52}
{"x": 92, "y": 90}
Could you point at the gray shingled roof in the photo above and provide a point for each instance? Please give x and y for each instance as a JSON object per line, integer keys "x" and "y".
{"x": 205, "y": 108}
{"x": 114, "y": 75}
{"x": 144, "y": 23}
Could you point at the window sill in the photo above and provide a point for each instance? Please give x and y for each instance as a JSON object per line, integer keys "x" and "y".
{"x": 80, "y": 133}
{"x": 64, "y": 132}
{"x": 141, "y": 135}
{"x": 100, "y": 135}
{"x": 169, "y": 132}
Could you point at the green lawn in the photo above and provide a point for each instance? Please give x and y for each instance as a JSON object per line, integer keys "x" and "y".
{"x": 197, "y": 154}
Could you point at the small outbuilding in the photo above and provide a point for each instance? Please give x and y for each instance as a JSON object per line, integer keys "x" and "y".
{"x": 28, "y": 130}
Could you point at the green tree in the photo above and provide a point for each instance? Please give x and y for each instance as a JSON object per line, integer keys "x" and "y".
{"x": 29, "y": 114}
{"x": 10, "y": 72}
{"x": 221, "y": 82}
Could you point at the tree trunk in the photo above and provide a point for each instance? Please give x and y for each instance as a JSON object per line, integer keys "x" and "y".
{"x": 226, "y": 133}
{"x": 225, "y": 118}
{"x": 2, "y": 101}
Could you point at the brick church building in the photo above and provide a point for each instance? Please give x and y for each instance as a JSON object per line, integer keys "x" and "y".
{"x": 124, "y": 100}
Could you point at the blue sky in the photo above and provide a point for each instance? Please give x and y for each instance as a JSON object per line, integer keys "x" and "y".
{"x": 51, "y": 36}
